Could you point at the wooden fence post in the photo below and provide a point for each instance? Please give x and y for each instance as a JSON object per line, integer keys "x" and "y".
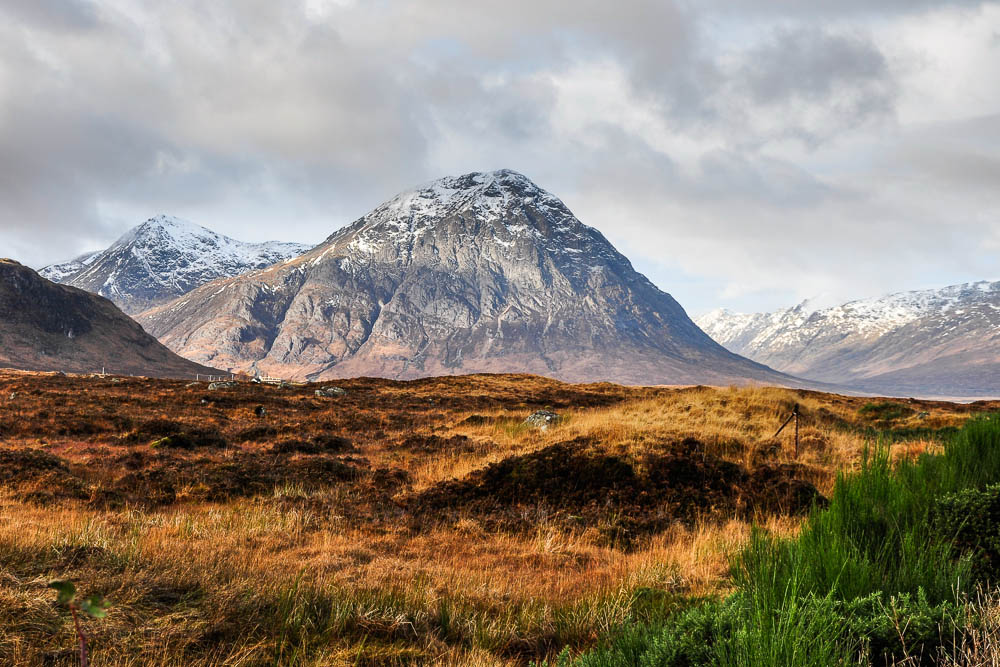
{"x": 795, "y": 416}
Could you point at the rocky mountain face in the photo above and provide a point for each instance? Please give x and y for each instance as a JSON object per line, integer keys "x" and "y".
{"x": 943, "y": 342}
{"x": 164, "y": 258}
{"x": 484, "y": 272}
{"x": 50, "y": 327}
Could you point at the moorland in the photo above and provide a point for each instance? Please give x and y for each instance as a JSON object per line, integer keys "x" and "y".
{"x": 426, "y": 522}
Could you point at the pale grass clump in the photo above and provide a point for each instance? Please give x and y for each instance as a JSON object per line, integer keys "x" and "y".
{"x": 979, "y": 645}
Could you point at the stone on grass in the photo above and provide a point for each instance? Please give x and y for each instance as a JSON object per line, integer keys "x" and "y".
{"x": 228, "y": 384}
{"x": 543, "y": 419}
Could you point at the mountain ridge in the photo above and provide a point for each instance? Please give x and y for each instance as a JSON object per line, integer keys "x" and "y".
{"x": 45, "y": 326}
{"x": 945, "y": 341}
{"x": 59, "y": 272}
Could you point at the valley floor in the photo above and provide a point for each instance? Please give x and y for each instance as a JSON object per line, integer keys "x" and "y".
{"x": 400, "y": 523}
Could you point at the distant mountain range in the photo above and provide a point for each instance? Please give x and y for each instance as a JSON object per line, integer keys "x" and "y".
{"x": 943, "y": 342}
{"x": 487, "y": 272}
{"x": 162, "y": 259}
{"x": 481, "y": 272}
{"x": 50, "y": 327}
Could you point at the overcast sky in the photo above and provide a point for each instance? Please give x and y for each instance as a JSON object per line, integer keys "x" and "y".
{"x": 744, "y": 154}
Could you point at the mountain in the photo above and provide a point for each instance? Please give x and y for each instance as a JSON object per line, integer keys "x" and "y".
{"x": 50, "y": 327}
{"x": 164, "y": 258}
{"x": 484, "y": 272}
{"x": 943, "y": 342}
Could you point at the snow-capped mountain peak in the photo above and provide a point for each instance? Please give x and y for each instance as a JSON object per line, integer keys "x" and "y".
{"x": 487, "y": 192}
{"x": 503, "y": 210}
{"x": 173, "y": 226}
{"x": 166, "y": 257}
{"x": 490, "y": 195}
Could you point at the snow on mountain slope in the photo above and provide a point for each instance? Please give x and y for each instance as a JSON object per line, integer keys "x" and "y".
{"x": 57, "y": 273}
{"x": 164, "y": 258}
{"x": 495, "y": 201}
{"x": 929, "y": 342}
{"x": 484, "y": 272}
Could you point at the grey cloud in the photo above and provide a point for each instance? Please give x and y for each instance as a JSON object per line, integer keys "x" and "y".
{"x": 108, "y": 123}
{"x": 254, "y": 115}
{"x": 736, "y": 176}
{"x": 53, "y": 14}
{"x": 513, "y": 108}
{"x": 831, "y": 8}
{"x": 722, "y": 177}
{"x": 811, "y": 63}
{"x": 948, "y": 168}
{"x": 951, "y": 157}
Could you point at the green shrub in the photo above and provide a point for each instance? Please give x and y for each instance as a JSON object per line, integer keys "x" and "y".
{"x": 685, "y": 639}
{"x": 796, "y": 629}
{"x": 902, "y": 627}
{"x": 971, "y": 518}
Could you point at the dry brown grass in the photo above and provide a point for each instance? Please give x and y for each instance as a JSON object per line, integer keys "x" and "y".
{"x": 978, "y": 644}
{"x": 241, "y": 552}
